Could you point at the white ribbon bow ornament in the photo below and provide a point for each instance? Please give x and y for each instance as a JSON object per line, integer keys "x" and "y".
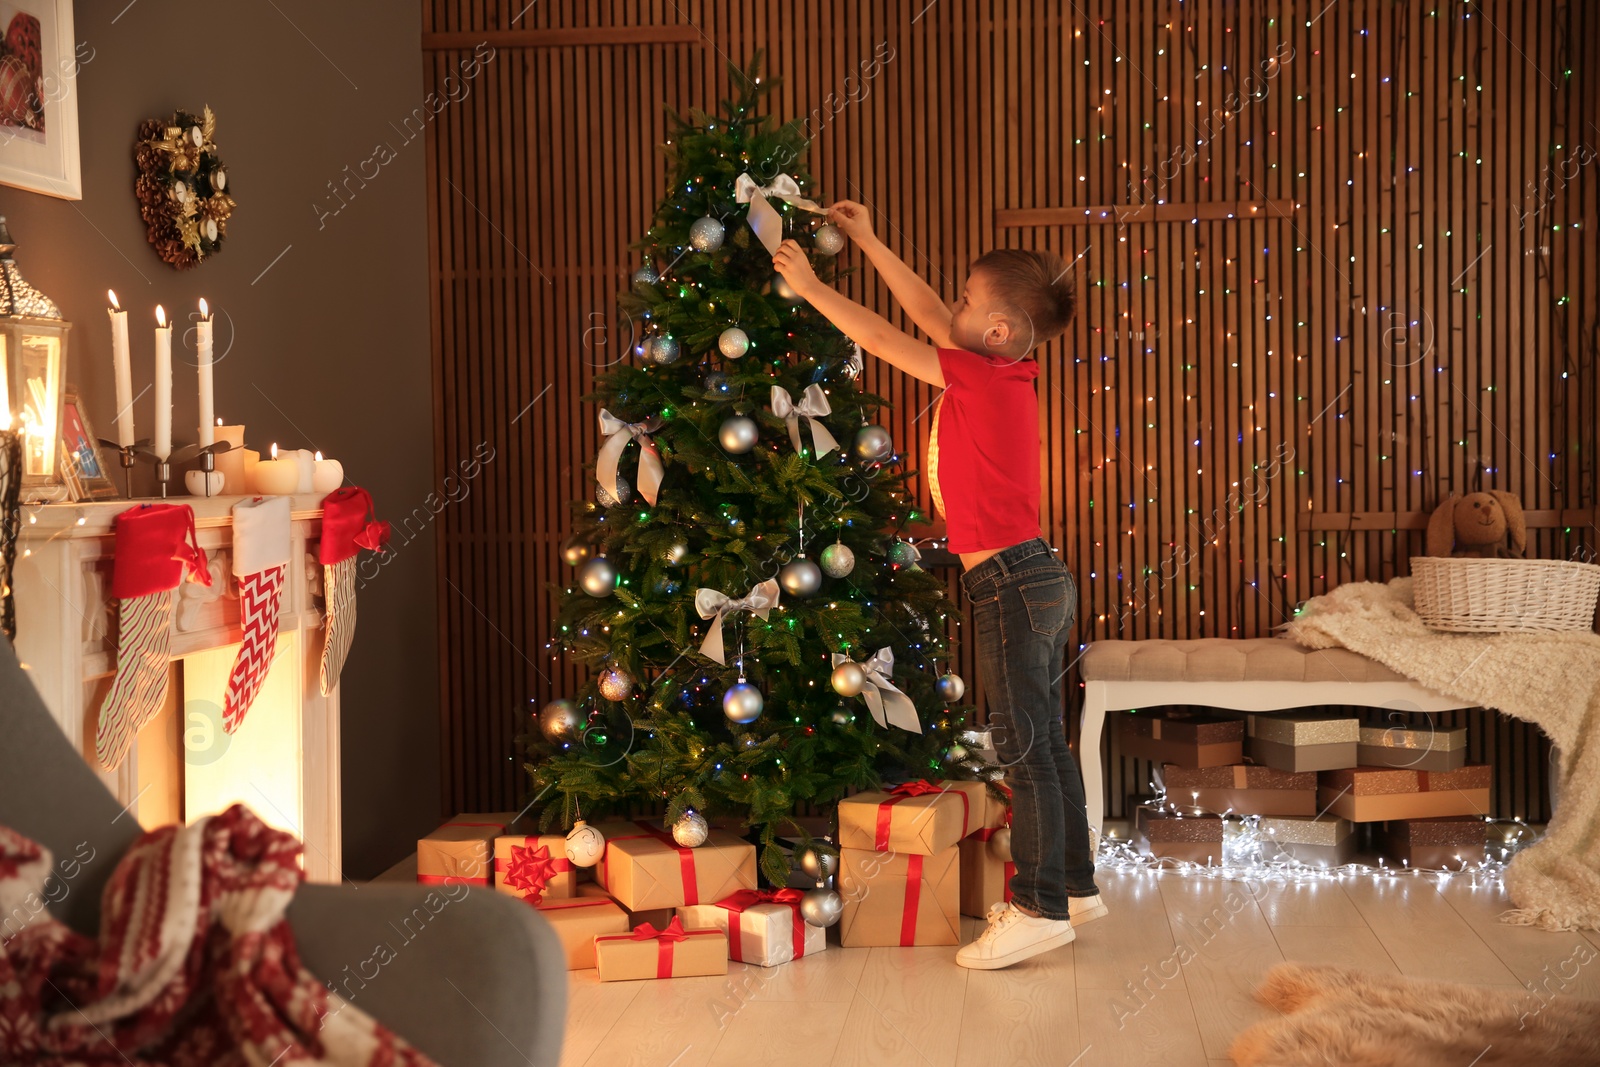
{"x": 714, "y": 605}
{"x": 618, "y": 434}
{"x": 762, "y": 216}
{"x": 813, "y": 405}
{"x": 888, "y": 705}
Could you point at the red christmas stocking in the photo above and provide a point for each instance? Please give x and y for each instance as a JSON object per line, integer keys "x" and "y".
{"x": 260, "y": 561}
{"x": 347, "y": 528}
{"x": 155, "y": 548}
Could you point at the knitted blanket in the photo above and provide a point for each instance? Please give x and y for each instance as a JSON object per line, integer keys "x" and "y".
{"x": 195, "y": 963}
{"x": 1551, "y": 679}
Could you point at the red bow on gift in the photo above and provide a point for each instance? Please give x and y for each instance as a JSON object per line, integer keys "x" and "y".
{"x": 531, "y": 869}
{"x": 916, "y": 789}
{"x": 673, "y": 931}
{"x": 749, "y": 898}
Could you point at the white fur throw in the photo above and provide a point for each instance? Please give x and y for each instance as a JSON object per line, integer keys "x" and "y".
{"x": 1552, "y": 679}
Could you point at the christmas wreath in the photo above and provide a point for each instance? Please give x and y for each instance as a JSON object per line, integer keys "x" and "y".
{"x": 182, "y": 187}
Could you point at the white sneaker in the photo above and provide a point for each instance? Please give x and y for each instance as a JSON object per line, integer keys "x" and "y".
{"x": 1086, "y": 909}
{"x": 1011, "y": 937}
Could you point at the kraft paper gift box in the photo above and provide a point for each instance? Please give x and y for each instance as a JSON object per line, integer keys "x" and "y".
{"x": 1433, "y": 844}
{"x": 534, "y": 867}
{"x": 899, "y": 898}
{"x": 648, "y": 870}
{"x": 1326, "y": 839}
{"x": 672, "y": 952}
{"x": 577, "y": 922}
{"x": 462, "y": 849}
{"x": 1377, "y": 794}
{"x": 985, "y": 877}
{"x": 657, "y": 917}
{"x": 921, "y": 817}
{"x": 1423, "y": 748}
{"x": 1195, "y": 838}
{"x": 764, "y": 926}
{"x": 1298, "y": 743}
{"x": 1247, "y": 789}
{"x": 1181, "y": 737}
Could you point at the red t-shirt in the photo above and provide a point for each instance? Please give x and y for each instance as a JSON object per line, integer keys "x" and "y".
{"x": 983, "y": 453}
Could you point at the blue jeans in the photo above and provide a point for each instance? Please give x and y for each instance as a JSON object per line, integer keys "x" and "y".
{"x": 1023, "y": 601}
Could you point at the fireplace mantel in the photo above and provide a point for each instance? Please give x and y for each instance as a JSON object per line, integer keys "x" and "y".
{"x": 66, "y": 639}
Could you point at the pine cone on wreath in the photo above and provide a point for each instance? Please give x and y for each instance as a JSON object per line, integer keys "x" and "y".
{"x": 151, "y": 130}
{"x": 218, "y": 207}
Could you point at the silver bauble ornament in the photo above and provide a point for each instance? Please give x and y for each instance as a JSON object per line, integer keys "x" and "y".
{"x": 821, "y": 907}
{"x": 675, "y": 553}
{"x": 837, "y": 560}
{"x": 691, "y": 830}
{"x": 575, "y": 553}
{"x": 585, "y": 845}
{"x": 560, "y": 722}
{"x": 738, "y": 435}
{"x": 785, "y": 291}
{"x": 645, "y": 276}
{"x": 848, "y": 679}
{"x": 664, "y": 350}
{"x": 950, "y": 687}
{"x": 706, "y": 234}
{"x": 955, "y": 754}
{"x": 842, "y": 717}
{"x": 817, "y": 864}
{"x": 733, "y": 342}
{"x": 716, "y": 382}
{"x": 598, "y": 577}
{"x": 905, "y": 554}
{"x": 873, "y": 444}
{"x": 829, "y": 239}
{"x": 800, "y": 577}
{"x": 742, "y": 703}
{"x": 1000, "y": 844}
{"x": 604, "y": 498}
{"x": 616, "y": 683}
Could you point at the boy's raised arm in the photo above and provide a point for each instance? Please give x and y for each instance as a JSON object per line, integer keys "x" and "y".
{"x": 869, "y": 330}
{"x": 916, "y": 296}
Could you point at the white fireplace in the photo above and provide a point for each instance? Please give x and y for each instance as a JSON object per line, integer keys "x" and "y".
{"x": 283, "y": 761}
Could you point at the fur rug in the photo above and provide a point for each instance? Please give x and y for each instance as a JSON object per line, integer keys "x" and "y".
{"x": 1551, "y": 679}
{"x": 1353, "y": 1019}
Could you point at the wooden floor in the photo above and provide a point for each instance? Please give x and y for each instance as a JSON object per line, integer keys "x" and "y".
{"x": 1164, "y": 979}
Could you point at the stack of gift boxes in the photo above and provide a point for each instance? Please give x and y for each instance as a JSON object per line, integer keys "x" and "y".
{"x": 1311, "y": 778}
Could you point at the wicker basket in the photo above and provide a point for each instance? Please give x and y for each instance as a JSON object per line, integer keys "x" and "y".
{"x": 1500, "y": 595}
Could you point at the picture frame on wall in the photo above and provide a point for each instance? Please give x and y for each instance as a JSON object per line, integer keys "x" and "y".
{"x": 83, "y": 468}
{"x": 39, "y": 65}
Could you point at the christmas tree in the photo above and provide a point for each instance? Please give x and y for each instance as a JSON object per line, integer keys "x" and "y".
{"x": 752, "y": 488}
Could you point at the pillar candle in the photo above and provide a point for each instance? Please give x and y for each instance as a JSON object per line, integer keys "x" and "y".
{"x": 252, "y": 460}
{"x": 307, "y": 463}
{"x": 278, "y": 477}
{"x": 123, "y": 370}
{"x": 231, "y": 462}
{"x": 207, "y": 396}
{"x": 328, "y": 476}
{"x": 161, "y": 438}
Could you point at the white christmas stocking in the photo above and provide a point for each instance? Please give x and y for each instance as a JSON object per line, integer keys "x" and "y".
{"x": 347, "y": 528}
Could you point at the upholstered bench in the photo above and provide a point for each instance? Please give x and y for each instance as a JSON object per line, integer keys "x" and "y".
{"x": 1255, "y": 674}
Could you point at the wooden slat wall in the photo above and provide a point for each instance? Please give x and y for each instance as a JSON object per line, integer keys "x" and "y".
{"x": 1376, "y": 313}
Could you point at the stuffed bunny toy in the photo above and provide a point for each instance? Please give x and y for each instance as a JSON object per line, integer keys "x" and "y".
{"x": 1485, "y": 525}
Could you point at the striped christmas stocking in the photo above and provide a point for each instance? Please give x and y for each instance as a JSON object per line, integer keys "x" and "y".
{"x": 347, "y": 528}
{"x": 260, "y": 562}
{"x": 155, "y": 548}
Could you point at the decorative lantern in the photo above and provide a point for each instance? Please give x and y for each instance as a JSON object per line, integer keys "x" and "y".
{"x": 33, "y": 369}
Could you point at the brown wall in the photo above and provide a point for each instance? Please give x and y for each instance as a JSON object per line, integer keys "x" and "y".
{"x": 1381, "y": 323}
{"x": 329, "y": 344}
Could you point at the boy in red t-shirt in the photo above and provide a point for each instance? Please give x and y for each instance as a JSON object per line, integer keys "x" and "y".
{"x": 983, "y": 469}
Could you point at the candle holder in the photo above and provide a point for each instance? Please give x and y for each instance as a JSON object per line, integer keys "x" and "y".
{"x": 206, "y": 481}
{"x": 129, "y": 456}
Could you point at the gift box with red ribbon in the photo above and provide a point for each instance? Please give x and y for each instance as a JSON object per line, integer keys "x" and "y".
{"x": 657, "y": 917}
{"x": 534, "y": 867}
{"x": 985, "y": 873}
{"x": 899, "y": 898}
{"x": 764, "y": 926}
{"x": 673, "y": 952}
{"x": 461, "y": 849}
{"x": 577, "y": 922}
{"x": 647, "y": 869}
{"x": 921, "y": 817}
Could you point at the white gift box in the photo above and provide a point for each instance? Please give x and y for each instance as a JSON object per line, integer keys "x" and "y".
{"x": 765, "y": 934}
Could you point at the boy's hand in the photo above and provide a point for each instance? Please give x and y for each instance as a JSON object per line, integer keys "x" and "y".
{"x": 791, "y": 262}
{"x": 853, "y": 218}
